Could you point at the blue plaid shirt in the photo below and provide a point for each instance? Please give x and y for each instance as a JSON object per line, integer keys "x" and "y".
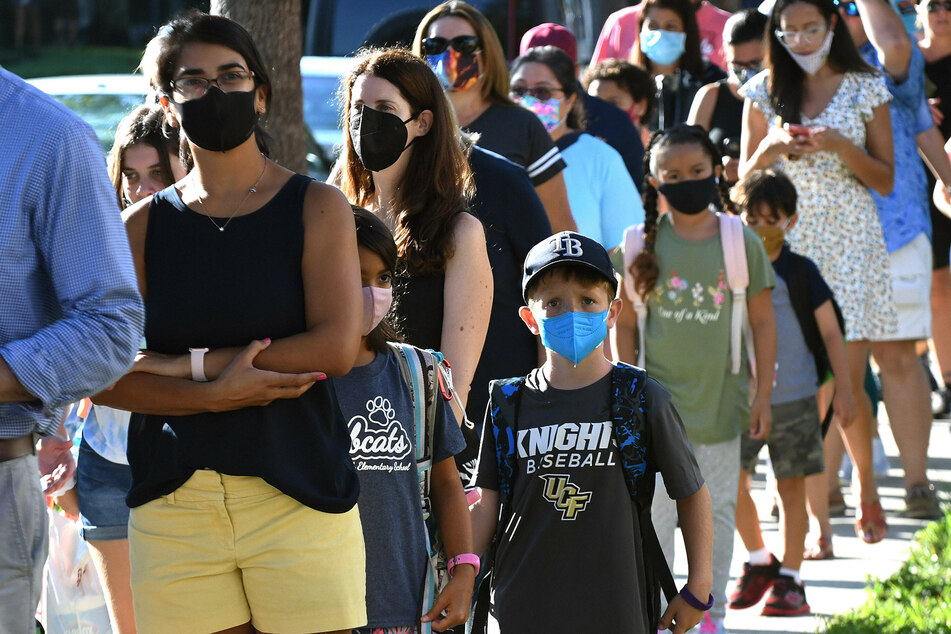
{"x": 70, "y": 313}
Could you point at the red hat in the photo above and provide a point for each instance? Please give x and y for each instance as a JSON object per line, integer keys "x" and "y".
{"x": 550, "y": 34}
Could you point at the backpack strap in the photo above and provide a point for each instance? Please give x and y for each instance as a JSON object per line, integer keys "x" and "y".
{"x": 418, "y": 368}
{"x": 505, "y": 396}
{"x": 633, "y": 245}
{"x": 633, "y": 436}
{"x": 738, "y": 279}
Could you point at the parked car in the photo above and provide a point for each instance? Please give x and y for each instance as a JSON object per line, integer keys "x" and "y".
{"x": 102, "y": 101}
{"x": 340, "y": 28}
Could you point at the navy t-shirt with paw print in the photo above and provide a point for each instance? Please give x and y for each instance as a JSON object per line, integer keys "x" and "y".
{"x": 376, "y": 404}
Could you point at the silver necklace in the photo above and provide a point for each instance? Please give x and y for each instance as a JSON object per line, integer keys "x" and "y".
{"x": 253, "y": 189}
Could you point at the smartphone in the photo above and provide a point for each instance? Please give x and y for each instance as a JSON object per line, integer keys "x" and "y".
{"x": 796, "y": 129}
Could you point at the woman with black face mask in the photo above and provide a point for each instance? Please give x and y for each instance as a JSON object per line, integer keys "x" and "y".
{"x": 404, "y": 160}
{"x": 243, "y": 492}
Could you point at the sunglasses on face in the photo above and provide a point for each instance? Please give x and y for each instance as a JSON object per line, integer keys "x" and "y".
{"x": 934, "y": 6}
{"x": 462, "y": 44}
{"x": 542, "y": 93}
{"x": 848, "y": 7}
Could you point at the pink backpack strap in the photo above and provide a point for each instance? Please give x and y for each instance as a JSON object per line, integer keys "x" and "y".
{"x": 738, "y": 279}
{"x": 634, "y": 244}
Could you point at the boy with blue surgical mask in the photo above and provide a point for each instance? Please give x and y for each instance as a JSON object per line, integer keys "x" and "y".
{"x": 567, "y": 463}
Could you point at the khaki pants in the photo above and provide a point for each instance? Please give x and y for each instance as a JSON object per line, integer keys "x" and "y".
{"x": 24, "y": 540}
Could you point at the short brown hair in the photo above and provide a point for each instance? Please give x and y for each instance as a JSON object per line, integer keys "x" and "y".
{"x": 765, "y": 187}
{"x": 568, "y": 272}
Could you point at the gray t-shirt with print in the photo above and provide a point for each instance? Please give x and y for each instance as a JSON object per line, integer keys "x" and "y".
{"x": 376, "y": 404}
{"x": 571, "y": 559}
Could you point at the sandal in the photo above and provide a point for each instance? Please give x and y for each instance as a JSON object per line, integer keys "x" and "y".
{"x": 822, "y": 549}
{"x": 870, "y": 523}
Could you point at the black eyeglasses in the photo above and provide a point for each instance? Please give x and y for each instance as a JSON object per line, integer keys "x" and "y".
{"x": 850, "y": 8}
{"x": 462, "y": 44}
{"x": 542, "y": 93}
{"x": 934, "y": 6}
{"x": 195, "y": 87}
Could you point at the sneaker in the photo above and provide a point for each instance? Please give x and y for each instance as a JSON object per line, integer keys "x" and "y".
{"x": 710, "y": 625}
{"x": 754, "y": 583}
{"x": 921, "y": 503}
{"x": 787, "y": 598}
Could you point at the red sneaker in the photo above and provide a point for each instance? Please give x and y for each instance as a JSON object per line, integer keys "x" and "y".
{"x": 754, "y": 583}
{"x": 787, "y": 598}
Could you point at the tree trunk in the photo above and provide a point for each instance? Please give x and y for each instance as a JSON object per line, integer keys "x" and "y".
{"x": 275, "y": 26}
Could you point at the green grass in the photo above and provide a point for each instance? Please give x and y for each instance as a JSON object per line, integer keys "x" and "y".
{"x": 82, "y": 60}
{"x": 916, "y": 599}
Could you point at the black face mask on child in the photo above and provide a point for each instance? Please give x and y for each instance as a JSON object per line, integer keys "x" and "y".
{"x": 690, "y": 197}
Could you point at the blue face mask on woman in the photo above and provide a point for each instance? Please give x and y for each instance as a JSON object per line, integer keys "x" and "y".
{"x": 662, "y": 47}
{"x": 574, "y": 335}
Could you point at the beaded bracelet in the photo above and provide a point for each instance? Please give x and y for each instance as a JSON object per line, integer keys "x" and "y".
{"x": 694, "y": 602}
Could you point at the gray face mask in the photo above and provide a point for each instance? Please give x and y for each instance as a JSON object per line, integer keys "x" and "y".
{"x": 742, "y": 75}
{"x": 812, "y": 62}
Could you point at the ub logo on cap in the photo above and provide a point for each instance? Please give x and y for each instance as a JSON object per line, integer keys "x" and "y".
{"x": 564, "y": 248}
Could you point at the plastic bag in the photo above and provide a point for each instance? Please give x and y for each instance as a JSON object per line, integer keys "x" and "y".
{"x": 72, "y": 601}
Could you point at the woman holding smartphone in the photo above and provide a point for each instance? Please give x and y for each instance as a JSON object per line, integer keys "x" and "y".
{"x": 820, "y": 114}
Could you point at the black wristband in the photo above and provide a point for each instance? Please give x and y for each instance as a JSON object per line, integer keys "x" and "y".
{"x": 694, "y": 602}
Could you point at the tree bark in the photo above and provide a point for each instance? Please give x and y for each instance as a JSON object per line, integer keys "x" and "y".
{"x": 275, "y": 26}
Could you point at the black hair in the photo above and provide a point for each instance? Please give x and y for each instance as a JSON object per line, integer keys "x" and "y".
{"x": 632, "y": 79}
{"x": 571, "y": 271}
{"x": 765, "y": 187}
{"x": 373, "y": 234}
{"x": 785, "y": 75}
{"x": 162, "y": 52}
{"x": 145, "y": 124}
{"x": 691, "y": 61}
{"x": 748, "y": 25}
{"x": 644, "y": 267}
{"x": 563, "y": 68}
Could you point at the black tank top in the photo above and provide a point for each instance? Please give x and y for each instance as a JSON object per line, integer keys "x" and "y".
{"x": 726, "y": 122}
{"x": 207, "y": 288}
{"x": 939, "y": 72}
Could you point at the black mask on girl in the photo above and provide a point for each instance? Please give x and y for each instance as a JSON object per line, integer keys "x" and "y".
{"x": 218, "y": 120}
{"x": 690, "y": 197}
{"x": 379, "y": 138}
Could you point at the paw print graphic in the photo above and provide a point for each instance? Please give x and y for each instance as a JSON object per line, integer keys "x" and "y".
{"x": 379, "y": 411}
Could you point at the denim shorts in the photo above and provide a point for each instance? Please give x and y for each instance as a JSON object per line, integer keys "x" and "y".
{"x": 101, "y": 486}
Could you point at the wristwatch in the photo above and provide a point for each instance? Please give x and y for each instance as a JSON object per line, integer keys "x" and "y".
{"x": 464, "y": 558}
{"x": 198, "y": 364}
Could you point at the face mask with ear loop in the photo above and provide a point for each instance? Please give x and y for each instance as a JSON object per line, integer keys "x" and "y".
{"x": 379, "y": 138}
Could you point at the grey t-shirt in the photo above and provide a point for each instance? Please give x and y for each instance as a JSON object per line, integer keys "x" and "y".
{"x": 573, "y": 541}
{"x": 378, "y": 409}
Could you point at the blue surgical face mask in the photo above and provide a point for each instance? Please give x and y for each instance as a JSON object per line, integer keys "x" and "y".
{"x": 574, "y": 335}
{"x": 662, "y": 47}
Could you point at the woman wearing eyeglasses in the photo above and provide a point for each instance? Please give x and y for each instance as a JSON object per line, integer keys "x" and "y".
{"x": 463, "y": 49}
{"x": 243, "y": 492}
{"x": 820, "y": 113}
{"x": 604, "y": 200}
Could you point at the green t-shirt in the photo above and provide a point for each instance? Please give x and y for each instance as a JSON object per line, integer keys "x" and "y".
{"x": 688, "y": 330}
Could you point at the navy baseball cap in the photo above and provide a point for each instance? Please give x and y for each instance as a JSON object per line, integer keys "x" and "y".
{"x": 567, "y": 247}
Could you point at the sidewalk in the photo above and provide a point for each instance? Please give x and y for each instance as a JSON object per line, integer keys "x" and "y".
{"x": 839, "y": 585}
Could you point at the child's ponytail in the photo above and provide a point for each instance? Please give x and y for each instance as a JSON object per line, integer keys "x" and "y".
{"x": 644, "y": 266}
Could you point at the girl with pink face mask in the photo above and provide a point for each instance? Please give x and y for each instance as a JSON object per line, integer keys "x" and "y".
{"x": 378, "y": 406}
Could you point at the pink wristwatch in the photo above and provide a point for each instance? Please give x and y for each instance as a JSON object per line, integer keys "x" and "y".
{"x": 464, "y": 558}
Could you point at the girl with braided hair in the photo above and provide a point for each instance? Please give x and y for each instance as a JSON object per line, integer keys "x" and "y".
{"x": 680, "y": 275}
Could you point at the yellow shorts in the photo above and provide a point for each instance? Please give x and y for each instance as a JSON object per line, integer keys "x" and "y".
{"x": 224, "y": 550}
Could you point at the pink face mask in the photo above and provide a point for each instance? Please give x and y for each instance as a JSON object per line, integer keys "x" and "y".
{"x": 376, "y": 304}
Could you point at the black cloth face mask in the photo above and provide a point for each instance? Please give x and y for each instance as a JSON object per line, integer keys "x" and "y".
{"x": 379, "y": 138}
{"x": 690, "y": 197}
{"x": 218, "y": 121}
